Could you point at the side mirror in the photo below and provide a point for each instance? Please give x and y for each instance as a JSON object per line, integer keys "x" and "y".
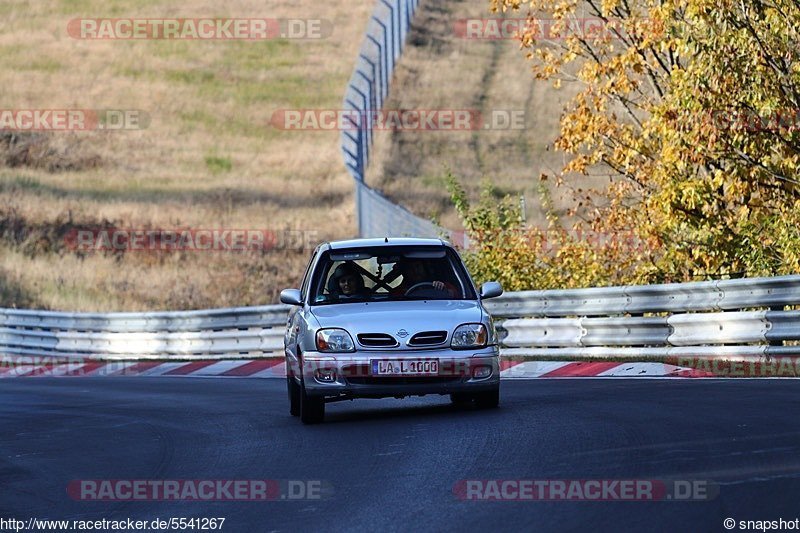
{"x": 291, "y": 297}
{"x": 491, "y": 289}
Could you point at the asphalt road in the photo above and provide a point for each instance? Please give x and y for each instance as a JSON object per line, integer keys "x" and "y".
{"x": 392, "y": 464}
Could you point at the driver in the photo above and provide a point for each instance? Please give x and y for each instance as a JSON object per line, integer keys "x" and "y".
{"x": 348, "y": 282}
{"x": 415, "y": 272}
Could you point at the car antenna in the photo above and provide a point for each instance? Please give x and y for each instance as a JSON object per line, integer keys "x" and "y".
{"x": 386, "y": 239}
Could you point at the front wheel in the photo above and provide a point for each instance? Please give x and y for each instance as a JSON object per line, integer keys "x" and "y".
{"x": 312, "y": 408}
{"x": 294, "y": 396}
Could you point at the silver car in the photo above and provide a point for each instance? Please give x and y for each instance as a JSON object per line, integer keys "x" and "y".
{"x": 391, "y": 317}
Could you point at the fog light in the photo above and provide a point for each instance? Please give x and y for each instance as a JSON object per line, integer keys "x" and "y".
{"x": 325, "y": 375}
{"x": 481, "y": 372}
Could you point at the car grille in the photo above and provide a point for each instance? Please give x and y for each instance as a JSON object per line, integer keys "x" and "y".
{"x": 376, "y": 340}
{"x": 428, "y": 338}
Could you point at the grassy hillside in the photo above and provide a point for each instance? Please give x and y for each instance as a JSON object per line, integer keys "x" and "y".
{"x": 208, "y": 159}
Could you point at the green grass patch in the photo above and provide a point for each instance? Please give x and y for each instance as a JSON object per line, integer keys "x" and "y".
{"x": 291, "y": 91}
{"x": 44, "y": 64}
{"x": 240, "y": 124}
{"x": 6, "y": 8}
{"x": 10, "y": 55}
{"x": 270, "y": 54}
{"x": 103, "y": 8}
{"x": 193, "y": 77}
{"x": 20, "y": 183}
{"x": 218, "y": 165}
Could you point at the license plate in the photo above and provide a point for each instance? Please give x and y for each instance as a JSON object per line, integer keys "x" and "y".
{"x": 405, "y": 367}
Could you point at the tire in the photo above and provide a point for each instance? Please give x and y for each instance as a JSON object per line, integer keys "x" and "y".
{"x": 312, "y": 408}
{"x": 488, "y": 400}
{"x": 294, "y": 396}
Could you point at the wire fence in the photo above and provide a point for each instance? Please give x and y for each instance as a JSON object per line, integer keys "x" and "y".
{"x": 383, "y": 44}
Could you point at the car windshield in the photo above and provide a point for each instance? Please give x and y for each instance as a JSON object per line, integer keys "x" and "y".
{"x": 390, "y": 273}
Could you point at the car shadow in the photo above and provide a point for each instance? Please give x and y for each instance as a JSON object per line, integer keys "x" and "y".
{"x": 384, "y": 412}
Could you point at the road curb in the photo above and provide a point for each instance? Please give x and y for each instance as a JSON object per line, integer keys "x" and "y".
{"x": 511, "y": 369}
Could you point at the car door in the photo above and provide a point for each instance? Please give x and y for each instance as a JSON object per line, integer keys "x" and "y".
{"x": 296, "y": 321}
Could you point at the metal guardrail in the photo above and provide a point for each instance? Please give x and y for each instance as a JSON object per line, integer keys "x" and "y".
{"x": 693, "y": 329}
{"x": 234, "y": 332}
{"x": 235, "y": 317}
{"x": 732, "y": 319}
{"x": 742, "y": 318}
{"x": 638, "y": 299}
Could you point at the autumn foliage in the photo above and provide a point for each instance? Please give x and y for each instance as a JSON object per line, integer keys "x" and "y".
{"x": 692, "y": 109}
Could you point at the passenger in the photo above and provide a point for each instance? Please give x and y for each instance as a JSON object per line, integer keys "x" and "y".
{"x": 347, "y": 282}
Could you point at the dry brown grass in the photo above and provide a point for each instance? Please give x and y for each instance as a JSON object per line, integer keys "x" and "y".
{"x": 210, "y": 104}
{"x": 208, "y": 101}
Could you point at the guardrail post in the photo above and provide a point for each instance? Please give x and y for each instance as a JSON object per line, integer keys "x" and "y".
{"x": 774, "y": 342}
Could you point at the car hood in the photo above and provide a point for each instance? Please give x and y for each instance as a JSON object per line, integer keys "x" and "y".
{"x": 390, "y": 317}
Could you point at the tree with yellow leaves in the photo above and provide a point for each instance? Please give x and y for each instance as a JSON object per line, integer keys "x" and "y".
{"x": 693, "y": 108}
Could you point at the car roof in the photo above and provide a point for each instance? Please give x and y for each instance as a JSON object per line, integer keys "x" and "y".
{"x": 386, "y": 241}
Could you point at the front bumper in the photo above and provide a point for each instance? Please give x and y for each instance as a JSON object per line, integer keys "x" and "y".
{"x": 353, "y": 377}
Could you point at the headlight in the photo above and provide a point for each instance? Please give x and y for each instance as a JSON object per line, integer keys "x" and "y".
{"x": 334, "y": 340}
{"x": 469, "y": 336}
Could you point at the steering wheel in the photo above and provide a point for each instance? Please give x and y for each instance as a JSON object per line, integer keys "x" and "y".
{"x": 422, "y": 285}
